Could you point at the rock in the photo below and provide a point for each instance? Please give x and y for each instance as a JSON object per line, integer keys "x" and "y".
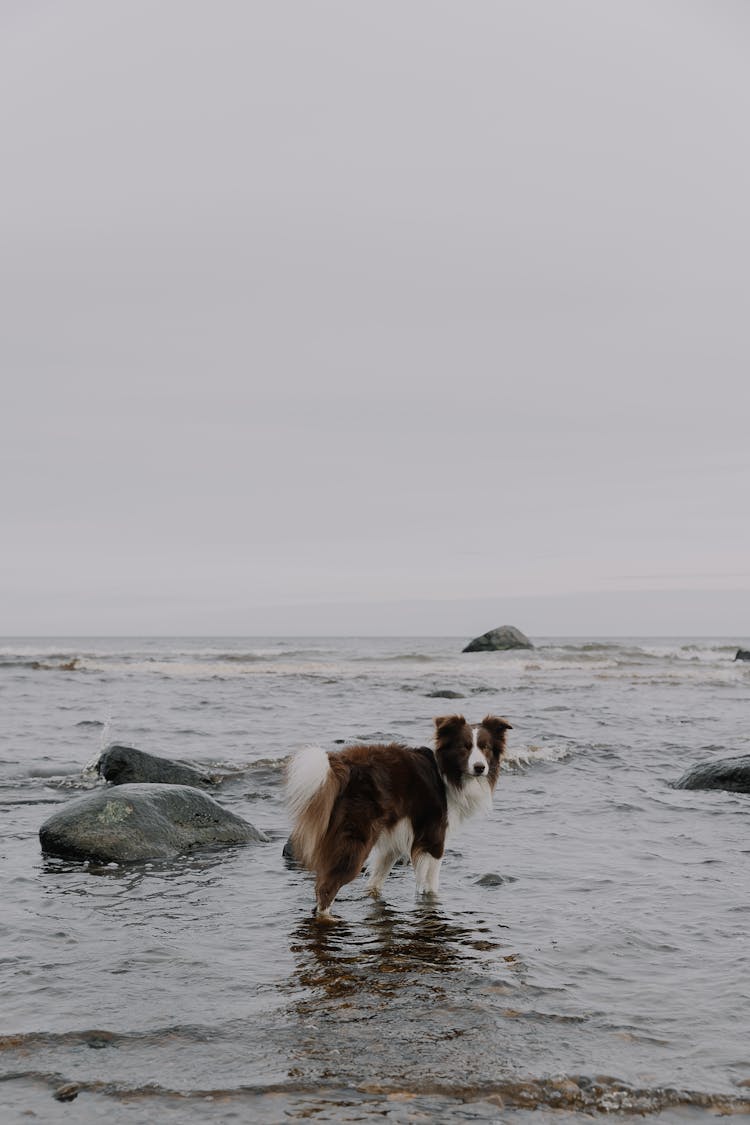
{"x": 447, "y": 694}
{"x": 504, "y": 637}
{"x": 493, "y": 880}
{"x": 144, "y": 821}
{"x": 67, "y": 1093}
{"x": 288, "y": 851}
{"x": 743, "y": 654}
{"x": 732, "y": 774}
{"x": 124, "y": 765}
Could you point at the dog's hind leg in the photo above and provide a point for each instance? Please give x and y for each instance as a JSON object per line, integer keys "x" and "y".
{"x": 381, "y": 864}
{"x": 392, "y": 844}
{"x": 343, "y": 867}
{"x": 426, "y": 872}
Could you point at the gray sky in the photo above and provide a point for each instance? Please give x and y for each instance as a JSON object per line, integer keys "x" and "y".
{"x": 311, "y": 303}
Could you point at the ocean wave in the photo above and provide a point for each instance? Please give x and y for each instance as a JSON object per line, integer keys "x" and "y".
{"x": 722, "y": 649}
{"x": 268, "y": 656}
{"x": 81, "y": 780}
{"x": 586, "y": 646}
{"x": 267, "y": 769}
{"x": 99, "y": 1037}
{"x": 530, "y": 755}
{"x": 622, "y": 654}
{"x": 8, "y": 802}
{"x": 602, "y": 1094}
{"x": 250, "y": 656}
{"x": 33, "y": 782}
{"x": 61, "y": 663}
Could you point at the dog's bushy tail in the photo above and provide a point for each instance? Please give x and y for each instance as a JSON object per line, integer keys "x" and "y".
{"x": 311, "y": 790}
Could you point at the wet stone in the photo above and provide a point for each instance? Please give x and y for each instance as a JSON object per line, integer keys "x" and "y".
{"x": 124, "y": 765}
{"x": 730, "y": 774}
{"x": 67, "y": 1093}
{"x": 493, "y": 880}
{"x": 500, "y": 639}
{"x": 139, "y": 822}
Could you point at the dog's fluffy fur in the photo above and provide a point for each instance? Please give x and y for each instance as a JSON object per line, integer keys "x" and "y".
{"x": 389, "y": 801}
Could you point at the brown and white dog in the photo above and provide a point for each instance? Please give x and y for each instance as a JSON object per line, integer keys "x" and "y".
{"x": 389, "y": 801}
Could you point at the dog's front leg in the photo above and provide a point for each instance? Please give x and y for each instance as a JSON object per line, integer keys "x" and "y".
{"x": 427, "y": 873}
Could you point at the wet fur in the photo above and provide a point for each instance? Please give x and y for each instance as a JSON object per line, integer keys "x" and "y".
{"x": 385, "y": 801}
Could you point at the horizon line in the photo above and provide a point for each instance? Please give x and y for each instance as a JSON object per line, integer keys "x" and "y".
{"x": 353, "y": 636}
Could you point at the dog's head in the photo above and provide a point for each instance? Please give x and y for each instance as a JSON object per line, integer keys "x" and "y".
{"x": 465, "y": 751}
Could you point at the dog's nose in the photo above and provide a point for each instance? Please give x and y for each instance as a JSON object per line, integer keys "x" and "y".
{"x": 479, "y": 767}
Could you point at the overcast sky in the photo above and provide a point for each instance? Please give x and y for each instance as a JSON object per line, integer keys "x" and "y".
{"x": 307, "y": 305}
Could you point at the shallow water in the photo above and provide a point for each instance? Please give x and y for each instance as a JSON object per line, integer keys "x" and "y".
{"x": 588, "y": 952}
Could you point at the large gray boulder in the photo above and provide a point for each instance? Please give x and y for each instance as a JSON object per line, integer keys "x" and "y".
{"x": 124, "y": 765}
{"x": 732, "y": 774}
{"x": 145, "y": 821}
{"x": 504, "y": 637}
{"x": 743, "y": 654}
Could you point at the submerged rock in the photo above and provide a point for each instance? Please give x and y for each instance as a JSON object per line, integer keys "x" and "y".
{"x": 144, "y": 821}
{"x": 67, "y": 1093}
{"x": 731, "y": 774}
{"x": 446, "y": 694}
{"x": 504, "y": 637}
{"x": 124, "y": 765}
{"x": 493, "y": 880}
{"x": 743, "y": 654}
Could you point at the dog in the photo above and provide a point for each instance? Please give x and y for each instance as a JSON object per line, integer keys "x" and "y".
{"x": 388, "y": 801}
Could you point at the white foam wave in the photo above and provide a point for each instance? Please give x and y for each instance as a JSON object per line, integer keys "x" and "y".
{"x": 529, "y": 755}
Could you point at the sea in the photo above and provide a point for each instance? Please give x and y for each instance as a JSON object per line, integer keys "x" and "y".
{"x": 588, "y": 953}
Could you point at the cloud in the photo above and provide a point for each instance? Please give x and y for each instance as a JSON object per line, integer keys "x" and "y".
{"x": 370, "y": 303}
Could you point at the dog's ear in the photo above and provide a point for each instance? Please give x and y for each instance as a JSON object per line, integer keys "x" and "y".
{"x": 495, "y": 723}
{"x": 448, "y": 724}
{"x": 497, "y": 728}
